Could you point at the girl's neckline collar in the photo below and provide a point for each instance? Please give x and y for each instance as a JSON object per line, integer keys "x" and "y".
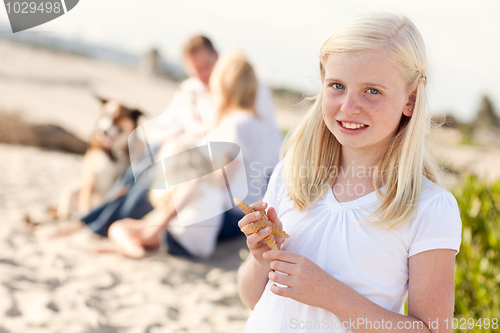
{"x": 364, "y": 201}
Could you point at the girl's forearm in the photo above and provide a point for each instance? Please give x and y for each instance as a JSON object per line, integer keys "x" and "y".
{"x": 252, "y": 279}
{"x": 359, "y": 314}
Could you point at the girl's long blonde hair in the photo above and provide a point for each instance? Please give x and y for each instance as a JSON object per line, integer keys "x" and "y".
{"x": 312, "y": 148}
{"x": 233, "y": 84}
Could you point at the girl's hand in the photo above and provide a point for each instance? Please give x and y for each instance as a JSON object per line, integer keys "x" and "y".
{"x": 305, "y": 281}
{"x": 255, "y": 242}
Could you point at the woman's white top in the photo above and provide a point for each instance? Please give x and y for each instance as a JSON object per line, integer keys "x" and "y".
{"x": 371, "y": 260}
{"x": 199, "y": 239}
{"x": 259, "y": 145}
{"x": 259, "y": 148}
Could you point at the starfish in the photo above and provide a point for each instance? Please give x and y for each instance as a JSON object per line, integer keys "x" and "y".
{"x": 261, "y": 223}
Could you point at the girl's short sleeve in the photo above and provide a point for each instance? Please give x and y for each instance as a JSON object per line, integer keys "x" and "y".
{"x": 275, "y": 187}
{"x": 437, "y": 226}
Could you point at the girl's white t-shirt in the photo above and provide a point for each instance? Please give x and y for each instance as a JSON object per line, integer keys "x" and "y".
{"x": 371, "y": 260}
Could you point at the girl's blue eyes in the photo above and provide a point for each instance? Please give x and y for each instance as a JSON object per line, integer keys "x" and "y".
{"x": 339, "y": 86}
{"x": 373, "y": 91}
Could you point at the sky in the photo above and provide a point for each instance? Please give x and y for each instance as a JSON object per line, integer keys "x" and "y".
{"x": 282, "y": 38}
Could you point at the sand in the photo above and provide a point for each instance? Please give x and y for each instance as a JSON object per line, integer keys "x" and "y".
{"x": 61, "y": 285}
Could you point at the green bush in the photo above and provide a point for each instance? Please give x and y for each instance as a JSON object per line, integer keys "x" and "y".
{"x": 477, "y": 268}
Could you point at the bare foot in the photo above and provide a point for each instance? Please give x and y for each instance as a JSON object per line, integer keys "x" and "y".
{"x": 105, "y": 249}
{"x": 148, "y": 239}
{"x": 126, "y": 240}
{"x": 64, "y": 232}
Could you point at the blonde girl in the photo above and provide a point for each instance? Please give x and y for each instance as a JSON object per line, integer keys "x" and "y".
{"x": 359, "y": 195}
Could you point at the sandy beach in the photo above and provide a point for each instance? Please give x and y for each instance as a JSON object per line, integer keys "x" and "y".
{"x": 55, "y": 285}
{"x": 61, "y": 285}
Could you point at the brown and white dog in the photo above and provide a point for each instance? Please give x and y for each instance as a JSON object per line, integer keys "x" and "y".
{"x": 105, "y": 160}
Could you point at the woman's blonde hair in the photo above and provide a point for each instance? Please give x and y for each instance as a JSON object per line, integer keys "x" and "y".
{"x": 233, "y": 84}
{"x": 311, "y": 145}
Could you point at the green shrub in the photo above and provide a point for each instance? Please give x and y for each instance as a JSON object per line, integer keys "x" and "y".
{"x": 477, "y": 268}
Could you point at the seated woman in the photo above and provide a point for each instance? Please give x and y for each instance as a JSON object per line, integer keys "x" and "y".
{"x": 233, "y": 84}
{"x": 131, "y": 237}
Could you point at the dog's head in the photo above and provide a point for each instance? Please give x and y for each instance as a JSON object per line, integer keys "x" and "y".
{"x": 115, "y": 124}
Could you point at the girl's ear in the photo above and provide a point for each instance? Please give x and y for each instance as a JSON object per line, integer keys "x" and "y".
{"x": 410, "y": 106}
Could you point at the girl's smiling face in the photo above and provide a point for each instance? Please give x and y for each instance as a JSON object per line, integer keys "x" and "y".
{"x": 364, "y": 98}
